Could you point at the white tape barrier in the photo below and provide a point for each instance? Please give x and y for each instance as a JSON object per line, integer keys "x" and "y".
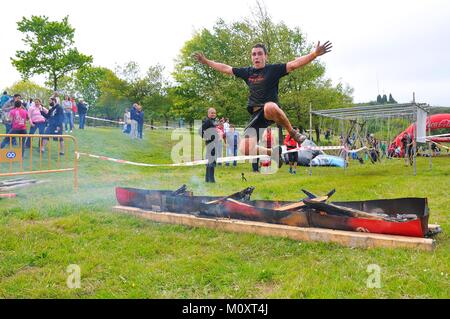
{"x": 122, "y": 123}
{"x": 440, "y": 135}
{"x": 218, "y": 160}
{"x": 357, "y": 150}
{"x": 193, "y": 163}
{"x": 324, "y": 148}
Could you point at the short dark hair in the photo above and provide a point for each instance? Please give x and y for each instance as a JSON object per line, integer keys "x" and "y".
{"x": 17, "y": 95}
{"x": 260, "y": 45}
{"x": 4, "y": 92}
{"x": 17, "y": 104}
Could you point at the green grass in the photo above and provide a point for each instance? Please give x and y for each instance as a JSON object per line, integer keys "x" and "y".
{"x": 49, "y": 226}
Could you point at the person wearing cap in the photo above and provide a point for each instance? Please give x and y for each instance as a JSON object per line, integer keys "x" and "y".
{"x": 82, "y": 110}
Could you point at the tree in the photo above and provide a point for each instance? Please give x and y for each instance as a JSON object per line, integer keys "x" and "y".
{"x": 149, "y": 90}
{"x": 322, "y": 95}
{"x": 28, "y": 89}
{"x": 384, "y": 99}
{"x": 199, "y": 87}
{"x": 51, "y": 49}
{"x": 157, "y": 100}
{"x": 89, "y": 80}
{"x": 113, "y": 96}
{"x": 379, "y": 99}
{"x": 130, "y": 72}
{"x": 391, "y": 100}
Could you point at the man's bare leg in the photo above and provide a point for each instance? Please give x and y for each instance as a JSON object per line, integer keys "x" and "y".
{"x": 249, "y": 146}
{"x": 273, "y": 112}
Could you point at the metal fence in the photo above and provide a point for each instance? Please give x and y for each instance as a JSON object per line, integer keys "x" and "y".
{"x": 25, "y": 154}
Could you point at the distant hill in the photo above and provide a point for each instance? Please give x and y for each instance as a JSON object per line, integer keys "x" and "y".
{"x": 440, "y": 109}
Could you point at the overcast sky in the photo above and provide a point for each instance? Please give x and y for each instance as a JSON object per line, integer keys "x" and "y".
{"x": 384, "y": 46}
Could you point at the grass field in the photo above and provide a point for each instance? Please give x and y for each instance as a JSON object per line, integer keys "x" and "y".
{"x": 49, "y": 226}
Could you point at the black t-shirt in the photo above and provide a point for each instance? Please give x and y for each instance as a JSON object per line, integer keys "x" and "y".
{"x": 406, "y": 139}
{"x": 209, "y": 123}
{"x": 262, "y": 83}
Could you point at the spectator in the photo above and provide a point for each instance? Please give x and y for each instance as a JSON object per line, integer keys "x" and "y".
{"x": 55, "y": 95}
{"x": 209, "y": 133}
{"x": 74, "y": 109}
{"x": 6, "y": 119}
{"x": 435, "y": 149}
{"x": 408, "y": 148}
{"x": 391, "y": 150}
{"x": 226, "y": 127}
{"x": 383, "y": 149}
{"x": 126, "y": 121}
{"x": 82, "y": 110}
{"x": 19, "y": 117}
{"x": 68, "y": 116}
{"x": 293, "y": 156}
{"x": 55, "y": 117}
{"x": 232, "y": 138}
{"x": 133, "y": 118}
{"x": 268, "y": 141}
{"x": 220, "y": 139}
{"x": 29, "y": 104}
{"x": 37, "y": 121}
{"x": 140, "y": 120}
{"x": 5, "y": 98}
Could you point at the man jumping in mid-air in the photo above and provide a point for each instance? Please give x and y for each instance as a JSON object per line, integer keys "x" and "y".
{"x": 262, "y": 80}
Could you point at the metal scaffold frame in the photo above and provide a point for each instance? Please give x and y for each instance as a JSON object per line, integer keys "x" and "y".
{"x": 367, "y": 112}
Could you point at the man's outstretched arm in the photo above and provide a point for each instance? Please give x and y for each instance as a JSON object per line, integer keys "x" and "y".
{"x": 215, "y": 65}
{"x": 303, "y": 60}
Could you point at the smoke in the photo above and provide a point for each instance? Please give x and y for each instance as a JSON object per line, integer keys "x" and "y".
{"x": 197, "y": 185}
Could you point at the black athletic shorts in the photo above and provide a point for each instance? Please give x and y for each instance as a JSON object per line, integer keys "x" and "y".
{"x": 258, "y": 121}
{"x": 293, "y": 157}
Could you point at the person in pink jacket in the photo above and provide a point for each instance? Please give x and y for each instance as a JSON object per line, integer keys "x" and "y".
{"x": 37, "y": 121}
{"x": 19, "y": 117}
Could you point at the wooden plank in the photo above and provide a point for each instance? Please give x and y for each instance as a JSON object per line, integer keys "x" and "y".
{"x": 299, "y": 204}
{"x": 346, "y": 238}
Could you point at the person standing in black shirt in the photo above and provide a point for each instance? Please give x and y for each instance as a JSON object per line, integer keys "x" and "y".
{"x": 209, "y": 133}
{"x": 407, "y": 142}
{"x": 262, "y": 80}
